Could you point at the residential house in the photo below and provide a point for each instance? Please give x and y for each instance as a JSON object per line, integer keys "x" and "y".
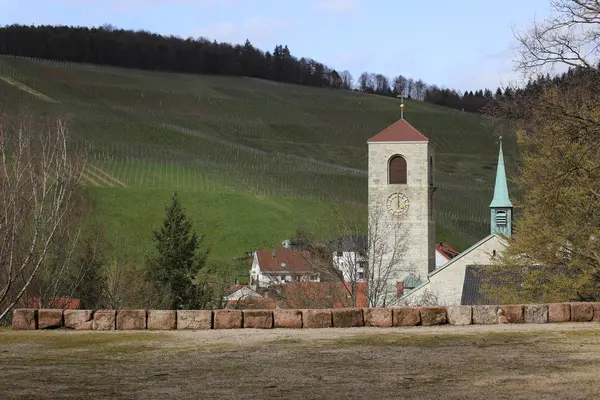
{"x": 242, "y": 296}
{"x": 281, "y": 266}
{"x": 349, "y": 256}
{"x": 444, "y": 253}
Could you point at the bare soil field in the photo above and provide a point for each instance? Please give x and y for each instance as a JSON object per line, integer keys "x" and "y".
{"x": 550, "y": 361}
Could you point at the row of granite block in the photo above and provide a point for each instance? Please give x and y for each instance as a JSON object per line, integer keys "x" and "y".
{"x": 31, "y": 319}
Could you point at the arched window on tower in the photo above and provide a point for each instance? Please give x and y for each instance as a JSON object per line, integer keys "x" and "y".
{"x": 397, "y": 170}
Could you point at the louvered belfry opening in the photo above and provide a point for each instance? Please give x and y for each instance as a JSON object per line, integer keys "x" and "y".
{"x": 397, "y": 170}
{"x": 501, "y": 218}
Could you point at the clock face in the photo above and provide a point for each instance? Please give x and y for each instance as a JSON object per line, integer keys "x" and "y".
{"x": 398, "y": 204}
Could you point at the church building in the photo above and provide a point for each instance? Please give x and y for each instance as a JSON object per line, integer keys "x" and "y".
{"x": 401, "y": 189}
{"x": 400, "y": 196}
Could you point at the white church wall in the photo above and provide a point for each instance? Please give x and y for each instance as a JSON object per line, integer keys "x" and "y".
{"x": 446, "y": 284}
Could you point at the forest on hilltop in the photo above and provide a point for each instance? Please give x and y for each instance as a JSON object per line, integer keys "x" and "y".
{"x": 107, "y": 45}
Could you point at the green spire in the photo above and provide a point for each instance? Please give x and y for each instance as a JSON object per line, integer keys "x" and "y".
{"x": 501, "y": 198}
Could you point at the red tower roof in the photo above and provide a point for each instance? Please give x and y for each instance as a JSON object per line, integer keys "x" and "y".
{"x": 399, "y": 131}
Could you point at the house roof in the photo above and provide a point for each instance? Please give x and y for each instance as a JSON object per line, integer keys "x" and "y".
{"x": 412, "y": 281}
{"x": 475, "y": 276}
{"x": 324, "y": 294}
{"x": 284, "y": 260}
{"x": 469, "y": 250}
{"x": 236, "y": 292}
{"x": 399, "y": 131}
{"x": 446, "y": 250}
{"x": 356, "y": 243}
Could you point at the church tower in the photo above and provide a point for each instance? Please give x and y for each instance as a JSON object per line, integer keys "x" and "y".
{"x": 501, "y": 207}
{"x": 401, "y": 201}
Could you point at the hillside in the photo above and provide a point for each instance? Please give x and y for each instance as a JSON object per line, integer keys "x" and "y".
{"x": 251, "y": 158}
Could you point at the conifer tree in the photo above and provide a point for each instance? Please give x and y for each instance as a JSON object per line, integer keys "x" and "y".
{"x": 178, "y": 259}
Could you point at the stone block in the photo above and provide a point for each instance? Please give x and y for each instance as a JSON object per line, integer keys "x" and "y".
{"x": 406, "y": 316}
{"x": 131, "y": 320}
{"x": 460, "y": 315}
{"x": 347, "y": 317}
{"x": 104, "y": 320}
{"x": 536, "y": 313}
{"x": 287, "y": 318}
{"x": 162, "y": 320}
{"x": 258, "y": 319}
{"x": 596, "y": 307}
{"x": 510, "y": 314}
{"x": 228, "y": 319}
{"x": 380, "y": 317}
{"x": 194, "y": 319}
{"x": 433, "y": 316}
{"x": 78, "y": 319}
{"x": 582, "y": 312}
{"x": 559, "y": 312}
{"x": 485, "y": 315}
{"x": 50, "y": 319}
{"x": 316, "y": 318}
{"x": 24, "y": 319}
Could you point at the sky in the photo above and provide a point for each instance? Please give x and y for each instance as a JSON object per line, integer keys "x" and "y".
{"x": 458, "y": 44}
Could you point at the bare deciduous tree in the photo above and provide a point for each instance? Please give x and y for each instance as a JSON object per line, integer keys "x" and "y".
{"x": 387, "y": 246}
{"x": 371, "y": 257}
{"x": 570, "y": 37}
{"x": 400, "y": 84}
{"x": 420, "y": 89}
{"x": 347, "y": 80}
{"x": 38, "y": 177}
{"x": 410, "y": 88}
{"x": 554, "y": 249}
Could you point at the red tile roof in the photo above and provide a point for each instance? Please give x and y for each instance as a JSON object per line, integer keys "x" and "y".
{"x": 323, "y": 294}
{"x": 446, "y": 250}
{"x": 284, "y": 260}
{"x": 399, "y": 131}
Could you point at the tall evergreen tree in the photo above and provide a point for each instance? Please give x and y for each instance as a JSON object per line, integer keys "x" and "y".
{"x": 177, "y": 259}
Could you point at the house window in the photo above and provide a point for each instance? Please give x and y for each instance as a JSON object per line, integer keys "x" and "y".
{"x": 361, "y": 275}
{"x": 501, "y": 218}
{"x": 397, "y": 170}
{"x": 339, "y": 253}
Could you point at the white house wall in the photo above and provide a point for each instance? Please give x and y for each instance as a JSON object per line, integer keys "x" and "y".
{"x": 347, "y": 263}
{"x": 440, "y": 259}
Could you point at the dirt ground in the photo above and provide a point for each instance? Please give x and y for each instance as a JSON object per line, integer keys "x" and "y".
{"x": 550, "y": 361}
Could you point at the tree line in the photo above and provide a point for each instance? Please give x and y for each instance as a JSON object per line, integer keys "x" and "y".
{"x": 107, "y": 45}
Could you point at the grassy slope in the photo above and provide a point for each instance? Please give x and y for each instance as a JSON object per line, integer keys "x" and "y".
{"x": 233, "y": 222}
{"x": 251, "y": 158}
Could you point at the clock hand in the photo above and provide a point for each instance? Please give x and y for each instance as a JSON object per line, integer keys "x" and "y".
{"x": 398, "y": 200}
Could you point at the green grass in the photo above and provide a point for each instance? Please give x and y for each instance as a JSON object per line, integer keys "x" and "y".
{"x": 252, "y": 158}
{"x": 234, "y": 223}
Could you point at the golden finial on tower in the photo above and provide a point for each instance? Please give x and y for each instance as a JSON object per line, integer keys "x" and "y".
{"x": 401, "y": 105}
